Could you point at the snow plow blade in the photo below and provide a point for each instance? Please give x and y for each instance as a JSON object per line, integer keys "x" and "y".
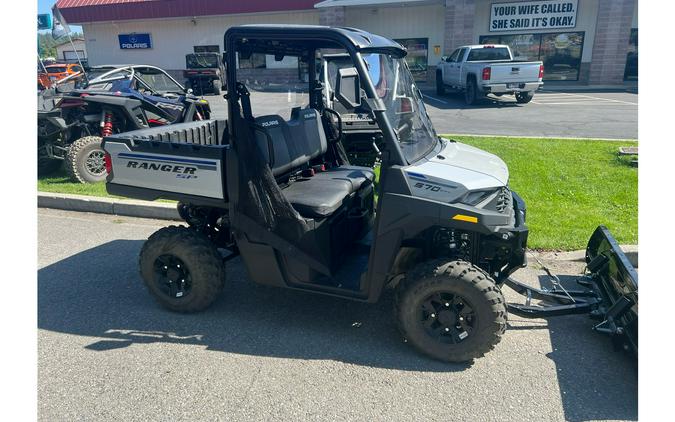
{"x": 609, "y": 294}
{"x": 616, "y": 281}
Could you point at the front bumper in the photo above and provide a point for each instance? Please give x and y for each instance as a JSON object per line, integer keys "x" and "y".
{"x": 507, "y": 89}
{"x": 504, "y": 251}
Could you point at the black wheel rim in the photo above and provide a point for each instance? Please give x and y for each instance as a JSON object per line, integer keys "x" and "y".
{"x": 95, "y": 162}
{"x": 172, "y": 276}
{"x": 448, "y": 317}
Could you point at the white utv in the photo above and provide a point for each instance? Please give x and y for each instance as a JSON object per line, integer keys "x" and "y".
{"x": 440, "y": 225}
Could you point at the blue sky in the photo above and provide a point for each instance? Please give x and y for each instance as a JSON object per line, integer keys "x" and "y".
{"x": 45, "y": 6}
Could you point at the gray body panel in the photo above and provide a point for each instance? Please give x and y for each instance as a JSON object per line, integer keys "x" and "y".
{"x": 171, "y": 173}
{"x": 456, "y": 170}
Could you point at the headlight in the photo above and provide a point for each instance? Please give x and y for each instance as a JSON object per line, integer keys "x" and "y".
{"x": 498, "y": 199}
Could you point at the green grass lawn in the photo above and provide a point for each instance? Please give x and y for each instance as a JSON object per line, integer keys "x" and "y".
{"x": 59, "y": 182}
{"x": 569, "y": 186}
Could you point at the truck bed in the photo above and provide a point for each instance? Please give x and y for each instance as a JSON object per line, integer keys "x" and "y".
{"x": 183, "y": 162}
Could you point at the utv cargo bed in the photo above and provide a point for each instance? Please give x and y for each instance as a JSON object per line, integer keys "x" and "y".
{"x": 183, "y": 162}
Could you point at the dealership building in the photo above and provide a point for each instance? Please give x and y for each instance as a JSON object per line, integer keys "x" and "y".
{"x": 580, "y": 41}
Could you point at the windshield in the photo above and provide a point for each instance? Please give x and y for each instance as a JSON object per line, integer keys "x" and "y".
{"x": 199, "y": 61}
{"x": 57, "y": 69}
{"x": 405, "y": 109}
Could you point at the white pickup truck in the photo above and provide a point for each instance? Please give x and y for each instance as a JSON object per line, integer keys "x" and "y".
{"x": 479, "y": 70}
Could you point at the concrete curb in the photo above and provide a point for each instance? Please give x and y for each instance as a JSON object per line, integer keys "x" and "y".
{"x": 126, "y": 207}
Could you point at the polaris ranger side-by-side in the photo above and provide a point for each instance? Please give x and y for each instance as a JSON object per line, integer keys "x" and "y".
{"x": 273, "y": 185}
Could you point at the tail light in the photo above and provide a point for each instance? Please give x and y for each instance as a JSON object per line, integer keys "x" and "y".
{"x": 541, "y": 71}
{"x": 487, "y": 72}
{"x": 108, "y": 163}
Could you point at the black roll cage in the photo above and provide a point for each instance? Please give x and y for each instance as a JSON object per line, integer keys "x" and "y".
{"x": 305, "y": 40}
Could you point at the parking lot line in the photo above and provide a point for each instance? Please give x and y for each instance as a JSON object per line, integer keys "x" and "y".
{"x": 435, "y": 99}
{"x": 583, "y": 103}
{"x": 580, "y": 96}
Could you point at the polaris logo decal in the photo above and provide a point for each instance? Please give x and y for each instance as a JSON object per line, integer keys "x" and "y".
{"x": 169, "y": 168}
{"x": 270, "y": 123}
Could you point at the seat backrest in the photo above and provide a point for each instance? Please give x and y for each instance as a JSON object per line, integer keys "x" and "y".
{"x": 288, "y": 145}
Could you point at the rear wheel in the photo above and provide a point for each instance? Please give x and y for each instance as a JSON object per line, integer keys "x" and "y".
{"x": 182, "y": 269}
{"x": 440, "y": 87}
{"x": 451, "y": 311}
{"x": 524, "y": 97}
{"x": 85, "y": 160}
{"x": 471, "y": 92}
{"x": 216, "y": 87}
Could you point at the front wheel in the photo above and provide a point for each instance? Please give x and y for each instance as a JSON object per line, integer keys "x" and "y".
{"x": 524, "y": 97}
{"x": 85, "y": 161}
{"x": 451, "y": 311}
{"x": 182, "y": 269}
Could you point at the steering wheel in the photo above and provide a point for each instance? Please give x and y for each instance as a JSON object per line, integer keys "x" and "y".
{"x": 339, "y": 122}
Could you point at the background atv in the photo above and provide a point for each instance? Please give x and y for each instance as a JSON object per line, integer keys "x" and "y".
{"x": 119, "y": 99}
{"x": 204, "y": 72}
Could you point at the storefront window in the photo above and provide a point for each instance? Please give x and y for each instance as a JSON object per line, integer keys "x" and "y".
{"x": 523, "y": 47}
{"x": 631, "y": 72}
{"x": 417, "y": 57}
{"x": 560, "y": 52}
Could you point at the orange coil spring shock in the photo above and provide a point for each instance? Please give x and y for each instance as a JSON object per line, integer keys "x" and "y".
{"x": 107, "y": 125}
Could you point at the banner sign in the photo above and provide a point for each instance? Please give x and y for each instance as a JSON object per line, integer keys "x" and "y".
{"x": 134, "y": 41}
{"x": 549, "y": 14}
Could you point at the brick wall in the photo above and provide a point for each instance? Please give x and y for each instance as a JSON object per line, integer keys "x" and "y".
{"x": 332, "y": 16}
{"x": 611, "y": 41}
{"x": 459, "y": 18}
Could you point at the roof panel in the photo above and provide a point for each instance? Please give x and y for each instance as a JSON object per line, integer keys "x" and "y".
{"x": 86, "y": 11}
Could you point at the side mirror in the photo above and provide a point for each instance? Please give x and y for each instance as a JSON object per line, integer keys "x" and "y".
{"x": 190, "y": 91}
{"x": 348, "y": 87}
{"x": 444, "y": 58}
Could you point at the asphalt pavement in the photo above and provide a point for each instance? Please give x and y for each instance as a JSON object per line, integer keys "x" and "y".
{"x": 107, "y": 351}
{"x": 588, "y": 114}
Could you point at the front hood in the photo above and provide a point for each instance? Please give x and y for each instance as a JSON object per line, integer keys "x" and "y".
{"x": 456, "y": 170}
{"x": 463, "y": 164}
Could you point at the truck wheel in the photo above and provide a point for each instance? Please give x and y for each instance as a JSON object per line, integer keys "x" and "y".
{"x": 440, "y": 86}
{"x": 182, "y": 269}
{"x": 524, "y": 97}
{"x": 216, "y": 87}
{"x": 85, "y": 160}
{"x": 451, "y": 311}
{"x": 471, "y": 92}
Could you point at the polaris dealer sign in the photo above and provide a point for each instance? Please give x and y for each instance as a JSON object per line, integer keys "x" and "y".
{"x": 134, "y": 41}
{"x": 520, "y": 16}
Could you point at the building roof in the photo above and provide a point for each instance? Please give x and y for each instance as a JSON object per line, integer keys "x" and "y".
{"x": 86, "y": 11}
{"x": 338, "y": 3}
